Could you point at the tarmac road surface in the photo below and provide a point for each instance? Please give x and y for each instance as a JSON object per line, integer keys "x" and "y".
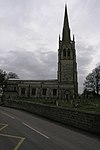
{"x": 20, "y": 130}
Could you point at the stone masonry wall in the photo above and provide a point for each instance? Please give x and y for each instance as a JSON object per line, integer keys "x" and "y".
{"x": 86, "y": 121}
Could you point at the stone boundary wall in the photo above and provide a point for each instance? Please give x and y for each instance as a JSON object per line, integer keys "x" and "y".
{"x": 86, "y": 121}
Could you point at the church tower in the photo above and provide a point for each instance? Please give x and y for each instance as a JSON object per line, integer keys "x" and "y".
{"x": 67, "y": 66}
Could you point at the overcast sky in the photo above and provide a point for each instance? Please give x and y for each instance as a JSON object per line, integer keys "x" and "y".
{"x": 29, "y": 31}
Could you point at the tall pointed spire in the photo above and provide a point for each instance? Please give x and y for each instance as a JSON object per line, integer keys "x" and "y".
{"x": 66, "y": 29}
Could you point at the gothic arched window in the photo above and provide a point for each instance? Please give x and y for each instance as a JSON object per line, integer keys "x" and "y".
{"x": 68, "y": 53}
{"x": 64, "y": 53}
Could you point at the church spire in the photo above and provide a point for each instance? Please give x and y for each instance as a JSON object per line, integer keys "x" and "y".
{"x": 66, "y": 29}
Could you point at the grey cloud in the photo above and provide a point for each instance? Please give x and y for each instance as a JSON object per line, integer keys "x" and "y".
{"x": 85, "y": 57}
{"x": 28, "y": 65}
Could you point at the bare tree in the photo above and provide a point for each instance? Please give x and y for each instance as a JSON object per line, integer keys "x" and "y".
{"x": 3, "y": 79}
{"x": 4, "y": 76}
{"x": 12, "y": 75}
{"x": 92, "y": 81}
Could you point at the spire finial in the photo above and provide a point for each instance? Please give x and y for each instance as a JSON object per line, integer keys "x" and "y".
{"x": 65, "y": 3}
{"x": 73, "y": 38}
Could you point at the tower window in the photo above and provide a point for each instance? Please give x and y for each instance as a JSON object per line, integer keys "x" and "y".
{"x": 44, "y": 91}
{"x": 64, "y": 53}
{"x": 33, "y": 91}
{"x": 68, "y": 53}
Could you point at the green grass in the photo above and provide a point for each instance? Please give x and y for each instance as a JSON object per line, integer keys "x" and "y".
{"x": 88, "y": 105}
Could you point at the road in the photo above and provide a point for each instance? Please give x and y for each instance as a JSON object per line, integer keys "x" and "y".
{"x": 20, "y": 130}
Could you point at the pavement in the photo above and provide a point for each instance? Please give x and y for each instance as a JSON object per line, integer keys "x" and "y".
{"x": 20, "y": 130}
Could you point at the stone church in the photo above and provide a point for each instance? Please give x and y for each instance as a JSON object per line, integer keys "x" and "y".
{"x": 64, "y": 87}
